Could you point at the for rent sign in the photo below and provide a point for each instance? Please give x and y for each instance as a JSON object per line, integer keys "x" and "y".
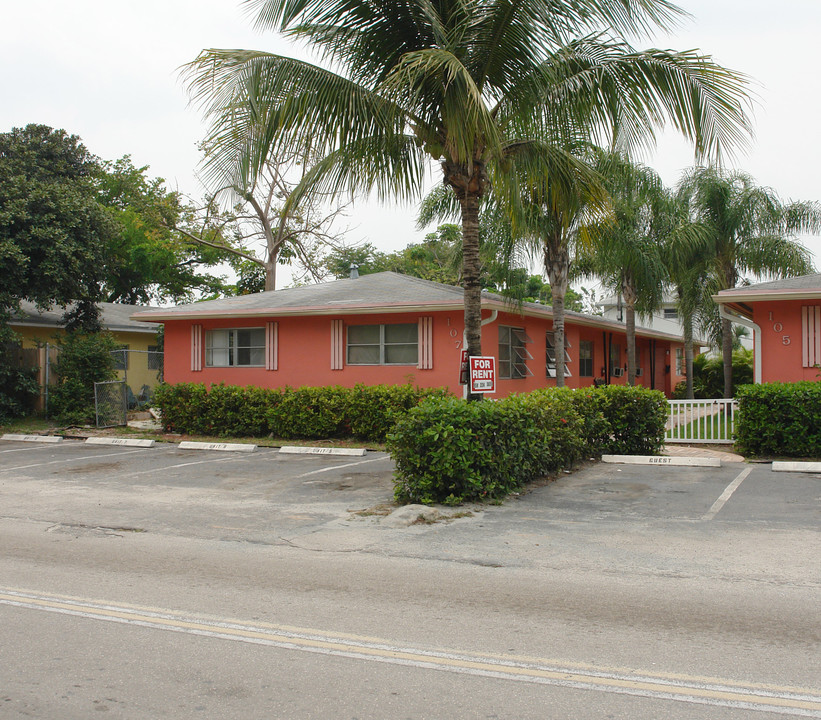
{"x": 482, "y": 374}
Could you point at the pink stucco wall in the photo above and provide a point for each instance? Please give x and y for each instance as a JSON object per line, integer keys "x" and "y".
{"x": 304, "y": 357}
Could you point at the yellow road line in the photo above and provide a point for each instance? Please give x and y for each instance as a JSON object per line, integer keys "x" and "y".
{"x": 725, "y": 693}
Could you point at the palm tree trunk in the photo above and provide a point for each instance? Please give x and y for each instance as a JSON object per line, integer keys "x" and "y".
{"x": 557, "y": 265}
{"x": 629, "y": 295}
{"x": 471, "y": 269}
{"x": 687, "y": 324}
{"x": 727, "y": 354}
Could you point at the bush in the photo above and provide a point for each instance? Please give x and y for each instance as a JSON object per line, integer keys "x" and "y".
{"x": 18, "y": 385}
{"x": 373, "y": 410}
{"x": 635, "y": 416}
{"x": 782, "y": 419}
{"x": 85, "y": 358}
{"x": 451, "y": 451}
{"x": 368, "y": 412}
{"x": 708, "y": 375}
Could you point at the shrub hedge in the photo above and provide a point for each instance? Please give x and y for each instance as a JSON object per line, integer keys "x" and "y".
{"x": 367, "y": 412}
{"x": 781, "y": 419}
{"x": 450, "y": 451}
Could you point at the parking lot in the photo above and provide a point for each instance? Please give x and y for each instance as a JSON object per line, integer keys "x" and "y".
{"x": 257, "y": 493}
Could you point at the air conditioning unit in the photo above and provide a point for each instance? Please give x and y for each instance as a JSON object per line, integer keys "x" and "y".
{"x": 639, "y": 372}
{"x": 617, "y": 372}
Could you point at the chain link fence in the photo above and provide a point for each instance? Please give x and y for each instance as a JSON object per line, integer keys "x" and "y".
{"x": 110, "y": 403}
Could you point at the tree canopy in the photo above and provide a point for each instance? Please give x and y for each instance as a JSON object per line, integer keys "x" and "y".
{"x": 53, "y": 230}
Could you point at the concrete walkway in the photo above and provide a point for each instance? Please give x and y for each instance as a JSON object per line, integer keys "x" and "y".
{"x": 676, "y": 450}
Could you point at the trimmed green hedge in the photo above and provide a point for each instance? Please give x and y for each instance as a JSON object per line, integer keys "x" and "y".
{"x": 367, "y": 412}
{"x": 782, "y": 419}
{"x": 451, "y": 451}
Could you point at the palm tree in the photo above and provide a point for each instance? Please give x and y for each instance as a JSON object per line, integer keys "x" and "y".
{"x": 750, "y": 231}
{"x": 551, "y": 217}
{"x": 477, "y": 86}
{"x": 626, "y": 250}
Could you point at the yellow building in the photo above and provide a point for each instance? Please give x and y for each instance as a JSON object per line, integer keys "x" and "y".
{"x": 139, "y": 363}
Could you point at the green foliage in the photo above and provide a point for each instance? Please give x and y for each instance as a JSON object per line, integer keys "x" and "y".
{"x": 367, "y": 412}
{"x": 708, "y": 375}
{"x": 373, "y": 410}
{"x": 18, "y": 385}
{"x": 779, "y": 419}
{"x": 53, "y": 232}
{"x": 85, "y": 358}
{"x": 636, "y": 418}
{"x": 451, "y": 451}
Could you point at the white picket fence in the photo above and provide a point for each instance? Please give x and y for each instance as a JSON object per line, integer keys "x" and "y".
{"x": 701, "y": 421}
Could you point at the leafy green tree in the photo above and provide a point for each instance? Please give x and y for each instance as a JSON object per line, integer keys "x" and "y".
{"x": 148, "y": 258}
{"x": 53, "y": 230}
{"x": 477, "y": 86}
{"x": 750, "y": 231}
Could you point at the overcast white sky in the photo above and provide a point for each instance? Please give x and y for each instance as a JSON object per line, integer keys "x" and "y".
{"x": 107, "y": 70}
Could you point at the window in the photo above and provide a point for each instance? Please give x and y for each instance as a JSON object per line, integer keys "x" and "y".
{"x": 670, "y": 314}
{"x": 586, "y": 358}
{"x": 681, "y": 367}
{"x": 550, "y": 364}
{"x": 383, "y": 344}
{"x": 241, "y": 347}
{"x": 154, "y": 357}
{"x": 120, "y": 356}
{"x": 615, "y": 357}
{"x": 513, "y": 355}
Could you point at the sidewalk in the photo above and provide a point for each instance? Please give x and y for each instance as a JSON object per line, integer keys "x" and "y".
{"x": 676, "y": 450}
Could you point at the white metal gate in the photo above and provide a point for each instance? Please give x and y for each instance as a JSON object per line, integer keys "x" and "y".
{"x": 701, "y": 421}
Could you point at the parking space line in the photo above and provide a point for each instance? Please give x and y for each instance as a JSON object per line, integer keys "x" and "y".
{"x": 154, "y": 471}
{"x": 338, "y": 467}
{"x": 28, "y": 449}
{"x": 68, "y": 460}
{"x": 725, "y": 496}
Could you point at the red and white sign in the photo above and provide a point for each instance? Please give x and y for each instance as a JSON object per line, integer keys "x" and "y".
{"x": 464, "y": 372}
{"x": 482, "y": 374}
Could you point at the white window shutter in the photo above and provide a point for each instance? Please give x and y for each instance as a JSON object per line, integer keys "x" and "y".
{"x": 196, "y": 348}
{"x": 337, "y": 345}
{"x": 425, "y": 343}
{"x": 271, "y": 346}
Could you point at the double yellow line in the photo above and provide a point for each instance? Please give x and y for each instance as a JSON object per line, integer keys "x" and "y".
{"x": 799, "y": 702}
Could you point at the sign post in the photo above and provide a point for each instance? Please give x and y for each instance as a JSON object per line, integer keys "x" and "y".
{"x": 482, "y": 374}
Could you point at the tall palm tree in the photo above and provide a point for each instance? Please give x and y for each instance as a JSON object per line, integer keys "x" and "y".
{"x": 551, "y": 217}
{"x": 750, "y": 231}
{"x": 475, "y": 85}
{"x": 626, "y": 250}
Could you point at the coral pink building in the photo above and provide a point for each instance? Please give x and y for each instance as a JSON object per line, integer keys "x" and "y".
{"x": 785, "y": 316}
{"x": 388, "y": 328}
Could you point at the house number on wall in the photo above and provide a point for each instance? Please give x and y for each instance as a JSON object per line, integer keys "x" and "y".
{"x": 778, "y": 327}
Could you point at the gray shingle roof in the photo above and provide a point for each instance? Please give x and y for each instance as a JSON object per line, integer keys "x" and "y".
{"x": 804, "y": 282}
{"x": 377, "y": 292}
{"x": 114, "y": 317}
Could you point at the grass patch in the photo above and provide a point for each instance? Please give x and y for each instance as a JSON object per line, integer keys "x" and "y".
{"x": 713, "y": 427}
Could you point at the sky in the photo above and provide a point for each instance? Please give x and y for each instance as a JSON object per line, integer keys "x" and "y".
{"x": 108, "y": 71}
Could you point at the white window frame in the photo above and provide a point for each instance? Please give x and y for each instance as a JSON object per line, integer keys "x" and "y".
{"x": 550, "y": 355}
{"x": 232, "y": 349}
{"x": 681, "y": 365}
{"x": 383, "y": 344}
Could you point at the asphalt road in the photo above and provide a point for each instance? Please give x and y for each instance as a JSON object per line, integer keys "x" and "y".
{"x": 165, "y": 583}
